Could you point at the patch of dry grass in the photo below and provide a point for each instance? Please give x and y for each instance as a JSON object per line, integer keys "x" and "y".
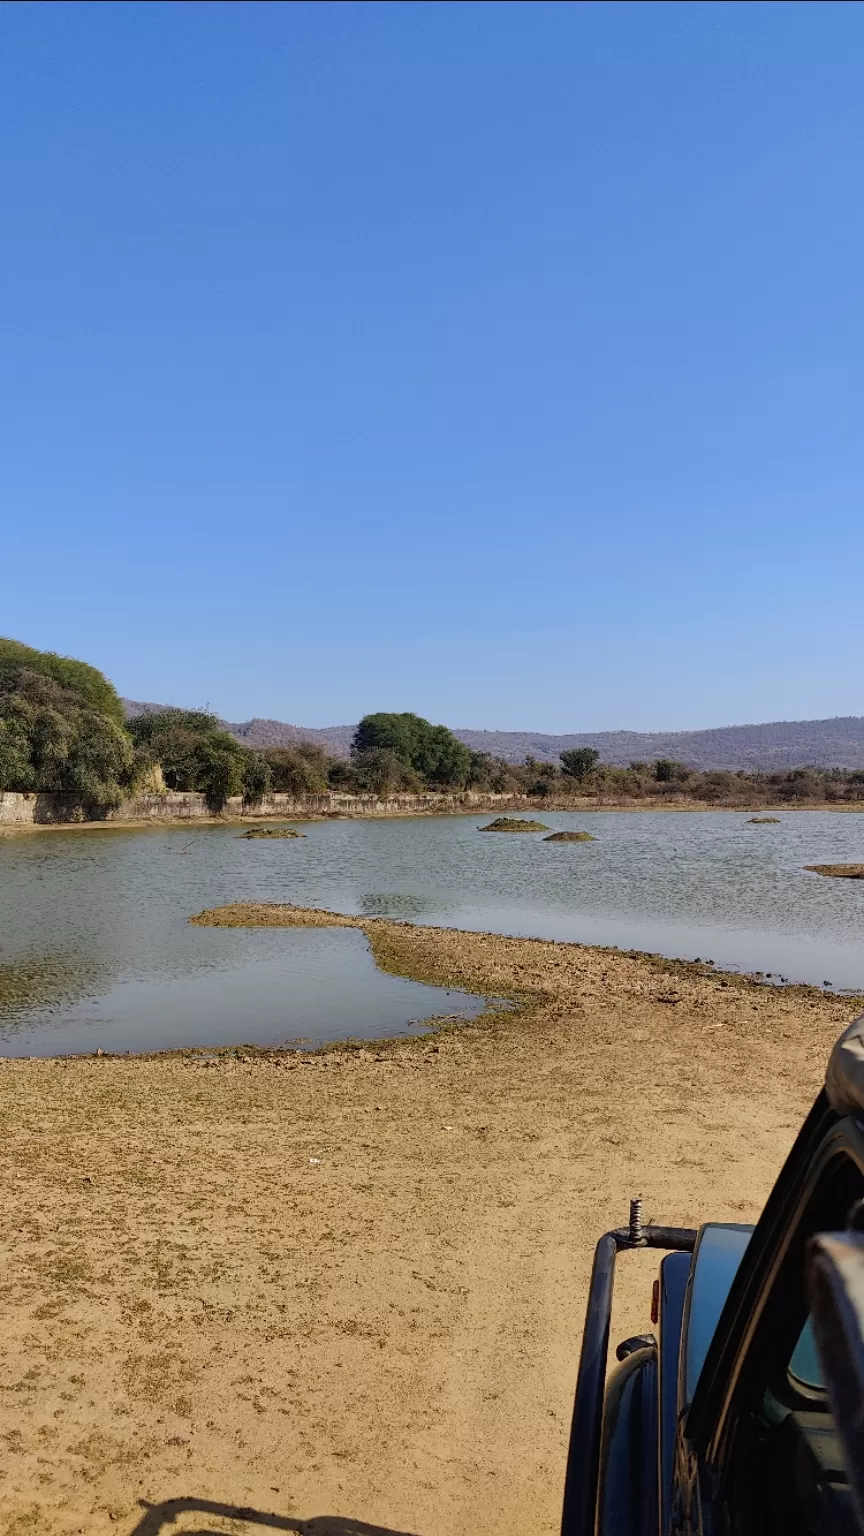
{"x": 838, "y": 871}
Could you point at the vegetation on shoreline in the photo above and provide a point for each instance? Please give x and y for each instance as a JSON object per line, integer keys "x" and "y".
{"x": 62, "y": 731}
{"x": 665, "y": 780}
{"x": 422, "y": 755}
{"x": 194, "y": 753}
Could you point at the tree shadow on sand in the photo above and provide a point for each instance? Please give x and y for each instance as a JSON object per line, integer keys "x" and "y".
{"x": 157, "y": 1518}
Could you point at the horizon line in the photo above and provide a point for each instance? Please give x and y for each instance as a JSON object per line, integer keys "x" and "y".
{"x": 740, "y": 725}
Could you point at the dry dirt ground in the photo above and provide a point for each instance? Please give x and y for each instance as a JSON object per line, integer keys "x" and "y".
{"x": 343, "y": 1294}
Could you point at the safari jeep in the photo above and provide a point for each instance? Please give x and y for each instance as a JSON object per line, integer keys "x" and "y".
{"x": 743, "y": 1415}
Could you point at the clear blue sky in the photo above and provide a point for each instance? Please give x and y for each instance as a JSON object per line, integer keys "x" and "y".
{"x": 501, "y": 361}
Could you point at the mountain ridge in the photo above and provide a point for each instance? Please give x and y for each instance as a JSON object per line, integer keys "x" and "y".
{"x": 837, "y": 742}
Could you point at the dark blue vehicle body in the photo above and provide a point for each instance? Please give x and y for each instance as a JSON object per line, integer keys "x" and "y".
{"x": 731, "y": 1419}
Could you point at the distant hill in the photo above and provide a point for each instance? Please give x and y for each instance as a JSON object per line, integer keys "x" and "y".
{"x": 835, "y": 743}
{"x": 336, "y": 739}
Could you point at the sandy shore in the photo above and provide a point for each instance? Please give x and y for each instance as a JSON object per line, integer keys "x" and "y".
{"x": 343, "y": 1293}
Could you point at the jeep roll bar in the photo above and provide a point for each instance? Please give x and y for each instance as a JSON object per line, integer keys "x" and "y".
{"x": 583, "y": 1458}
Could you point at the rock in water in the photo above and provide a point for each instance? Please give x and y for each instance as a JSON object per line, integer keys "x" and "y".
{"x": 272, "y": 832}
{"x": 513, "y": 824}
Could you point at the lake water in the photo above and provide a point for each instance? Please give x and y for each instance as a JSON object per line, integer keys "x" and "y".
{"x": 94, "y": 937}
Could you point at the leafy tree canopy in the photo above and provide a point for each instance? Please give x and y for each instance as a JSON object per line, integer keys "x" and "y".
{"x": 378, "y": 771}
{"x": 666, "y": 770}
{"x": 399, "y": 734}
{"x": 431, "y": 751}
{"x": 155, "y": 725}
{"x": 194, "y": 753}
{"x": 579, "y": 761}
{"x": 53, "y": 742}
{"x": 299, "y": 770}
{"x": 89, "y": 686}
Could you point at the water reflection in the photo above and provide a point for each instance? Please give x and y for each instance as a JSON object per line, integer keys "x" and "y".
{"x": 48, "y": 981}
{"x": 93, "y": 925}
{"x": 309, "y": 987}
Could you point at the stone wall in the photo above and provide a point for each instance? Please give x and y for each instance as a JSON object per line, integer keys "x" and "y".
{"x": 23, "y": 810}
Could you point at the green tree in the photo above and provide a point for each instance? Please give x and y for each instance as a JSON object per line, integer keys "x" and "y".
{"x": 88, "y": 685}
{"x": 53, "y": 742}
{"x": 430, "y": 751}
{"x": 303, "y": 769}
{"x": 490, "y": 773}
{"x": 399, "y": 734}
{"x": 376, "y": 771}
{"x": 537, "y": 777}
{"x": 220, "y": 774}
{"x": 257, "y": 778}
{"x": 174, "y": 738}
{"x": 340, "y": 775}
{"x": 441, "y": 758}
{"x": 667, "y": 771}
{"x": 195, "y": 753}
{"x": 578, "y": 762}
{"x": 17, "y": 771}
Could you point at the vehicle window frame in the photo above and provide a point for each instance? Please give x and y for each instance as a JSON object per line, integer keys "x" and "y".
{"x": 826, "y": 1209}
{"x": 767, "y": 1307}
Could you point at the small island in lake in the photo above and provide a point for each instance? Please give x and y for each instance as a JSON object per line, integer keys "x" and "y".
{"x": 763, "y": 821}
{"x": 837, "y": 871}
{"x": 514, "y": 824}
{"x": 570, "y": 837}
{"x": 272, "y": 832}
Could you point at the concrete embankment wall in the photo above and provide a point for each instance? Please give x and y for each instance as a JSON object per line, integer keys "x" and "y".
{"x": 28, "y": 810}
